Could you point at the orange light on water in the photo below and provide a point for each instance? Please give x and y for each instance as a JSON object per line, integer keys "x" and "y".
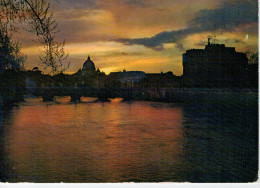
{"x": 72, "y": 142}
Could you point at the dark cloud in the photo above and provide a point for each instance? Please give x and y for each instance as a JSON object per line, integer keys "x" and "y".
{"x": 227, "y": 17}
{"x": 156, "y": 42}
{"x": 135, "y": 2}
{"x": 234, "y": 41}
{"x": 90, "y": 4}
{"x": 75, "y": 4}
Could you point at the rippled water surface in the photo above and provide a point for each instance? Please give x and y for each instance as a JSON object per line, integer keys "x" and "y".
{"x": 127, "y": 142}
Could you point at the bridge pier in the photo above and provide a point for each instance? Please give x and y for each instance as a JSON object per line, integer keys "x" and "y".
{"x": 48, "y": 98}
{"x": 103, "y": 95}
{"x": 75, "y": 94}
{"x": 48, "y": 95}
{"x": 75, "y": 97}
{"x": 127, "y": 95}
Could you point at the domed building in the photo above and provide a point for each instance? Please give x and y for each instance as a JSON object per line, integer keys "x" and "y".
{"x": 89, "y": 66}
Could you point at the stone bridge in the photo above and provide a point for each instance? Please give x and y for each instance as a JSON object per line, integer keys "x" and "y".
{"x": 103, "y": 94}
{"x": 189, "y": 95}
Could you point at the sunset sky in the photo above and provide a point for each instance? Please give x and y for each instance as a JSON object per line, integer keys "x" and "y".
{"x": 146, "y": 35}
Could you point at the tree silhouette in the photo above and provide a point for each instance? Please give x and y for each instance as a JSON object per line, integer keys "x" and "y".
{"x": 40, "y": 21}
{"x": 10, "y": 56}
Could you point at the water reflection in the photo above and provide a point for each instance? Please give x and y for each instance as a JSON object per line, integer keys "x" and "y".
{"x": 6, "y": 171}
{"x": 94, "y": 142}
{"x": 221, "y": 143}
{"x": 124, "y": 142}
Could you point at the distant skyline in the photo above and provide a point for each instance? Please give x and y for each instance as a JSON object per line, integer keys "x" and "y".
{"x": 146, "y": 35}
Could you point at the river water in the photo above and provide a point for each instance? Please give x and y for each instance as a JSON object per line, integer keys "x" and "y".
{"x": 128, "y": 142}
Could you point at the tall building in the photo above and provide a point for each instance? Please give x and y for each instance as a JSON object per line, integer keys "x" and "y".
{"x": 214, "y": 66}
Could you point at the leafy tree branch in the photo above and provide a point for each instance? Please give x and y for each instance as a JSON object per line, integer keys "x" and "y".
{"x": 40, "y": 21}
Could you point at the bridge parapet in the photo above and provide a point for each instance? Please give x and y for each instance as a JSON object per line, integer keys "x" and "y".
{"x": 103, "y": 94}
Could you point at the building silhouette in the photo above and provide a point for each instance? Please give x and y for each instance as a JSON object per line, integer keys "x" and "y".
{"x": 214, "y": 66}
{"x": 88, "y": 66}
{"x": 162, "y": 80}
{"x": 128, "y": 78}
{"x": 146, "y": 80}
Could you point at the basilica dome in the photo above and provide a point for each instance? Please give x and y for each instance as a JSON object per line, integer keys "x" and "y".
{"x": 89, "y": 65}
